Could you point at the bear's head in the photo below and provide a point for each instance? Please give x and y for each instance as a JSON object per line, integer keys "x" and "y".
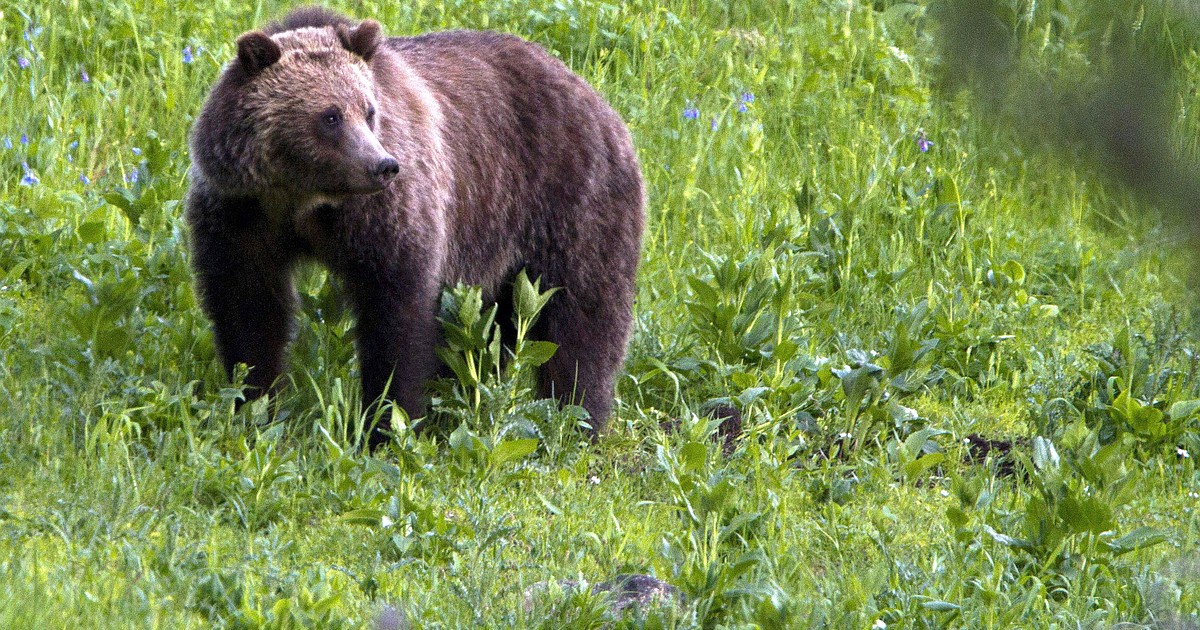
{"x": 297, "y": 114}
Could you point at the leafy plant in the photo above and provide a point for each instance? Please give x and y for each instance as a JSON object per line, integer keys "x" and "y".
{"x": 1069, "y": 515}
{"x": 1126, "y": 397}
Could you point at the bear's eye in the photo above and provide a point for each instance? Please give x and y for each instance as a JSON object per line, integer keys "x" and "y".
{"x": 331, "y": 118}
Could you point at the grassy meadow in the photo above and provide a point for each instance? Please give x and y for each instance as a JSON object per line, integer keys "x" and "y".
{"x": 965, "y": 366}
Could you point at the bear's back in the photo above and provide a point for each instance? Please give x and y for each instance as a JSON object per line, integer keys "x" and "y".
{"x": 523, "y": 134}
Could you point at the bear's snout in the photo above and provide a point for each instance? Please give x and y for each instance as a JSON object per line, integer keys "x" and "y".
{"x": 386, "y": 168}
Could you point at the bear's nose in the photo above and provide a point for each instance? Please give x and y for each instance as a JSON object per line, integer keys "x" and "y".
{"x": 386, "y": 168}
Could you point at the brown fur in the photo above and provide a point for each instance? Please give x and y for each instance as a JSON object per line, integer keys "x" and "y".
{"x": 507, "y": 160}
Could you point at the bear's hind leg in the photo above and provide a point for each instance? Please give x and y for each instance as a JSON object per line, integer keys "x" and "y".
{"x": 591, "y": 349}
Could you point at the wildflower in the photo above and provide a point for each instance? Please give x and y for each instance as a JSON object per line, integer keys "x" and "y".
{"x": 923, "y": 143}
{"x": 714, "y": 124}
{"x": 1182, "y": 453}
{"x": 691, "y": 112}
{"x": 747, "y": 97}
{"x": 74, "y": 145}
{"x": 187, "y": 55}
{"x": 84, "y": 179}
{"x": 7, "y": 142}
{"x": 23, "y": 62}
{"x": 24, "y": 139}
{"x": 29, "y": 179}
{"x": 132, "y": 177}
{"x": 30, "y": 35}
{"x": 742, "y": 106}
{"x": 136, "y": 151}
{"x": 83, "y": 76}
{"x": 879, "y": 625}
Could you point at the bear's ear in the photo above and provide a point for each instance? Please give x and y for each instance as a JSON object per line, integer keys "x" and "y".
{"x": 363, "y": 39}
{"x": 256, "y": 51}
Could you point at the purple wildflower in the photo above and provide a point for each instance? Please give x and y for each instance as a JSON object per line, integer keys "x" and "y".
{"x": 24, "y": 139}
{"x": 744, "y": 102}
{"x": 923, "y": 143}
{"x": 83, "y": 76}
{"x": 691, "y": 112}
{"x": 187, "y": 55}
{"x": 136, "y": 151}
{"x": 29, "y": 179}
{"x": 23, "y": 62}
{"x": 714, "y": 124}
{"x": 29, "y": 35}
{"x": 74, "y": 145}
{"x": 132, "y": 177}
{"x": 84, "y": 179}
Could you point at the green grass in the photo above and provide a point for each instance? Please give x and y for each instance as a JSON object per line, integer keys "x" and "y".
{"x": 804, "y": 259}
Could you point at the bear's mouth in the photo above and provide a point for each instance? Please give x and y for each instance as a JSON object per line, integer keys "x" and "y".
{"x": 375, "y": 178}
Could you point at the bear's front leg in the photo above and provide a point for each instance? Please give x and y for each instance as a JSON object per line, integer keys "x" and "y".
{"x": 244, "y": 283}
{"x": 397, "y": 334}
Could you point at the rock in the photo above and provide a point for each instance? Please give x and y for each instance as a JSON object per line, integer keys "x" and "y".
{"x": 623, "y": 592}
{"x": 979, "y": 449}
{"x": 391, "y": 619}
{"x": 728, "y": 431}
{"x": 635, "y": 589}
{"x": 730, "y": 428}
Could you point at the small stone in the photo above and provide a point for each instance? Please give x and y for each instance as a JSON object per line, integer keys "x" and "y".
{"x": 625, "y": 591}
{"x": 637, "y": 590}
{"x": 391, "y": 619}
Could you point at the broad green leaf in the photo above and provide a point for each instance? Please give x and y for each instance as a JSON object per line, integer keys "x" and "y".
{"x": 535, "y": 353}
{"x": 512, "y": 450}
{"x": 1139, "y": 538}
{"x": 1183, "y": 409}
{"x": 365, "y": 516}
{"x": 693, "y": 455}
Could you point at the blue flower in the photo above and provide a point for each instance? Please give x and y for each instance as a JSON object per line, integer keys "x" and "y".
{"x": 187, "y": 55}
{"x": 84, "y": 178}
{"x": 923, "y": 143}
{"x": 7, "y": 142}
{"x": 136, "y": 151}
{"x": 24, "y": 139}
{"x": 744, "y": 102}
{"x": 714, "y": 124}
{"x": 132, "y": 177}
{"x": 29, "y": 179}
{"x": 83, "y": 76}
{"x": 74, "y": 145}
{"x": 29, "y": 35}
{"x": 691, "y": 112}
{"x": 23, "y": 62}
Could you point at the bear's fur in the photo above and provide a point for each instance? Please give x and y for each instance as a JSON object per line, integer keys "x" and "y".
{"x": 405, "y": 164}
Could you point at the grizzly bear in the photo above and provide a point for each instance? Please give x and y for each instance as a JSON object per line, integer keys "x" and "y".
{"x": 404, "y": 164}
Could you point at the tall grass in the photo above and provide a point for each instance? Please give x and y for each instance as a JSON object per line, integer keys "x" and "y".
{"x": 866, "y": 304}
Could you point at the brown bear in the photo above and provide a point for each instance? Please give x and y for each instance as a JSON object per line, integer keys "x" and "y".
{"x": 404, "y": 164}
